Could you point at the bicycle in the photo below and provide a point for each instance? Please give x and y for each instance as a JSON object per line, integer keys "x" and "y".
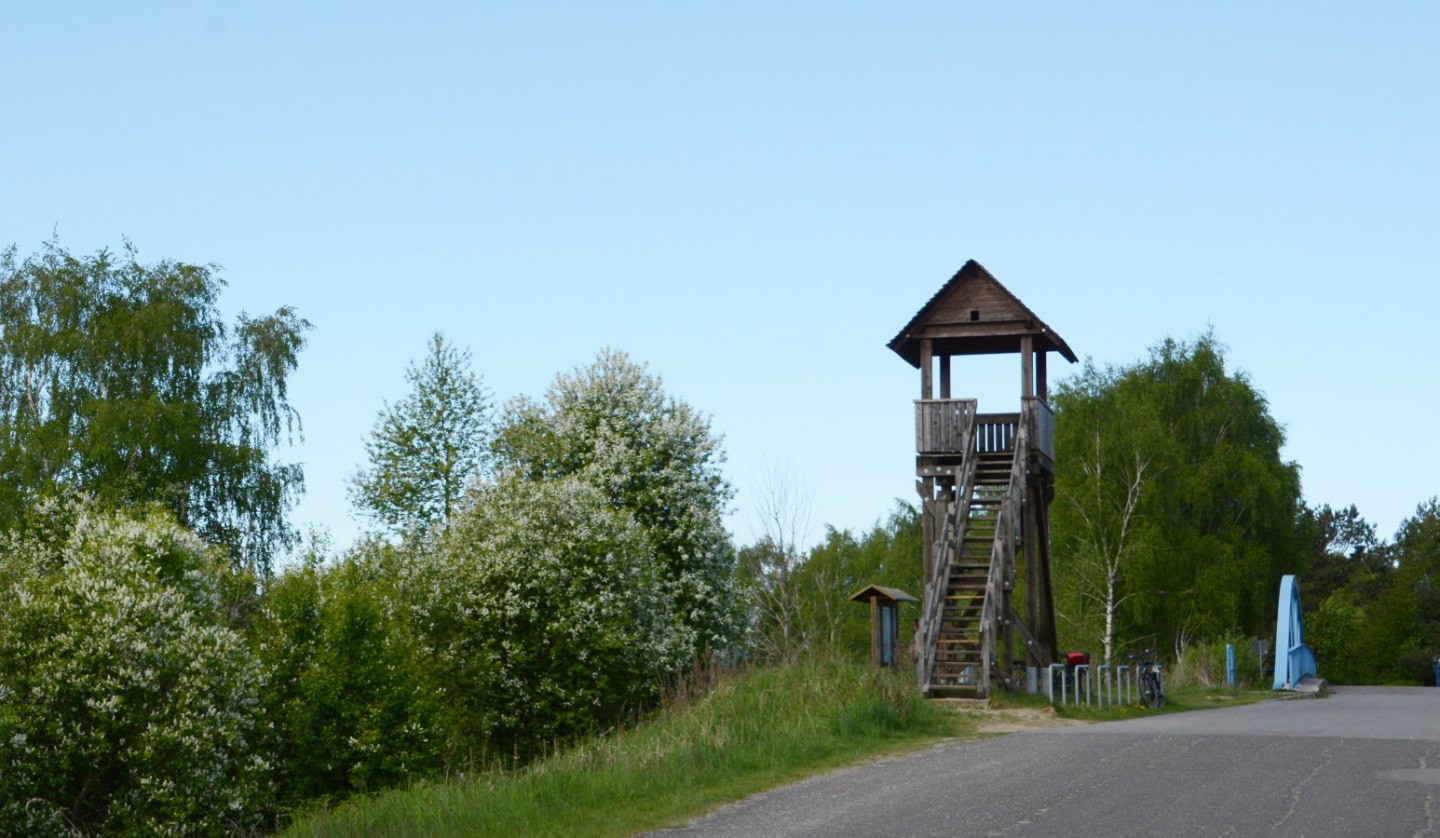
{"x": 1147, "y": 678}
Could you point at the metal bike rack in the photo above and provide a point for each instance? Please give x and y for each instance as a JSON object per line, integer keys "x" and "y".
{"x": 1050, "y": 682}
{"x": 1102, "y": 685}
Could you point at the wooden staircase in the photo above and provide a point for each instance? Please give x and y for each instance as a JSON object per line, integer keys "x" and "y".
{"x": 985, "y": 480}
{"x": 959, "y": 667}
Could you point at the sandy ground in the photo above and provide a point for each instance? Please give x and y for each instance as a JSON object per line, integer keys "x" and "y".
{"x": 1014, "y": 719}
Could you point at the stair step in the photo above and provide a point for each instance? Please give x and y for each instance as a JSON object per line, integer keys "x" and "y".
{"x": 969, "y": 697}
{"x": 954, "y": 670}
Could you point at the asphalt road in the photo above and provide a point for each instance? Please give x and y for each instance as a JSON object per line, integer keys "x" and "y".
{"x": 1364, "y": 761}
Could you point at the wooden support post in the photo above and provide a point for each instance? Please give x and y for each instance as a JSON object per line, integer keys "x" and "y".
{"x": 927, "y": 363}
{"x": 875, "y": 629}
{"x": 1027, "y": 365}
{"x": 1032, "y": 575}
{"x": 1046, "y": 618}
{"x": 1041, "y": 387}
{"x": 944, "y": 376}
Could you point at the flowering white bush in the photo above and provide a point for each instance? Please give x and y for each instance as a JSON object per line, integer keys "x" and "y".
{"x": 546, "y": 614}
{"x": 612, "y": 426}
{"x": 126, "y": 707}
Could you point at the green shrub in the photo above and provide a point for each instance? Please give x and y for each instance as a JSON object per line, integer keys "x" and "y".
{"x": 351, "y": 701}
{"x": 126, "y": 706}
{"x": 545, "y": 615}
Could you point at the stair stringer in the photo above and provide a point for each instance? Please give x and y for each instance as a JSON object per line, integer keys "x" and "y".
{"x": 952, "y": 535}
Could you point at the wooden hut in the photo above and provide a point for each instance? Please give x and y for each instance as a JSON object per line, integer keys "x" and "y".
{"x": 884, "y": 621}
{"x": 986, "y": 481}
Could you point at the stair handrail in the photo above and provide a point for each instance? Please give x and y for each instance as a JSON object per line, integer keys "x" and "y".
{"x": 952, "y": 531}
{"x": 1002, "y": 555}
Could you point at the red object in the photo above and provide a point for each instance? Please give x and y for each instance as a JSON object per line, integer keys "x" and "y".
{"x": 1077, "y": 659}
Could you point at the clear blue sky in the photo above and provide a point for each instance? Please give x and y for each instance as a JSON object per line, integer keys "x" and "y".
{"x": 754, "y": 198}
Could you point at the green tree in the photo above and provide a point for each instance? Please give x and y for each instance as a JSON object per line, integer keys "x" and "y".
{"x": 352, "y": 705}
{"x": 1346, "y": 556}
{"x": 1220, "y": 512}
{"x": 843, "y": 563}
{"x": 1413, "y": 639}
{"x": 426, "y": 448}
{"x": 1334, "y": 631}
{"x": 612, "y": 426}
{"x": 1109, "y": 445}
{"x": 120, "y": 379}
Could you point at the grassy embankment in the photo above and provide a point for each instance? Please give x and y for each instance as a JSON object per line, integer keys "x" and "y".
{"x": 749, "y": 733}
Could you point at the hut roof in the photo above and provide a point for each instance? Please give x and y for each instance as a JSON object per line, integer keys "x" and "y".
{"x": 893, "y": 594}
{"x": 973, "y": 314}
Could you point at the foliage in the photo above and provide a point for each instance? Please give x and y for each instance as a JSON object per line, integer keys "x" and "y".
{"x": 546, "y": 615}
{"x": 426, "y": 448}
{"x": 1220, "y": 515}
{"x": 1372, "y": 607}
{"x": 126, "y": 705}
{"x": 1418, "y": 555}
{"x": 611, "y": 426}
{"x": 1103, "y": 530}
{"x": 751, "y": 732}
{"x": 888, "y": 554}
{"x": 1333, "y": 631}
{"x": 1401, "y": 635}
{"x": 119, "y": 379}
{"x": 1345, "y": 552}
{"x": 769, "y": 568}
{"x": 351, "y": 703}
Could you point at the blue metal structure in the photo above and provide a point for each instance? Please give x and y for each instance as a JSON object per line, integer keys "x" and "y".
{"x": 1293, "y": 659}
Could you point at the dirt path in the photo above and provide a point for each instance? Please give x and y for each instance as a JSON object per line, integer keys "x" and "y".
{"x": 1016, "y": 719}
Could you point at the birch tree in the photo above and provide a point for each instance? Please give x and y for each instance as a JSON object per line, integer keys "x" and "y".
{"x": 1175, "y": 515}
{"x": 428, "y": 447}
{"x": 121, "y": 380}
{"x": 771, "y": 566}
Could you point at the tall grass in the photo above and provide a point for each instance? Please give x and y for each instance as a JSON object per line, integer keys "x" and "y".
{"x": 1203, "y": 665}
{"x": 748, "y": 732}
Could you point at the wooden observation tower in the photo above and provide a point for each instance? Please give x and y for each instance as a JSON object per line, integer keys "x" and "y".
{"x": 986, "y": 481}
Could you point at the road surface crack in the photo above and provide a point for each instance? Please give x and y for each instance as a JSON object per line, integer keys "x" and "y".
{"x": 1429, "y": 807}
{"x": 1298, "y": 790}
